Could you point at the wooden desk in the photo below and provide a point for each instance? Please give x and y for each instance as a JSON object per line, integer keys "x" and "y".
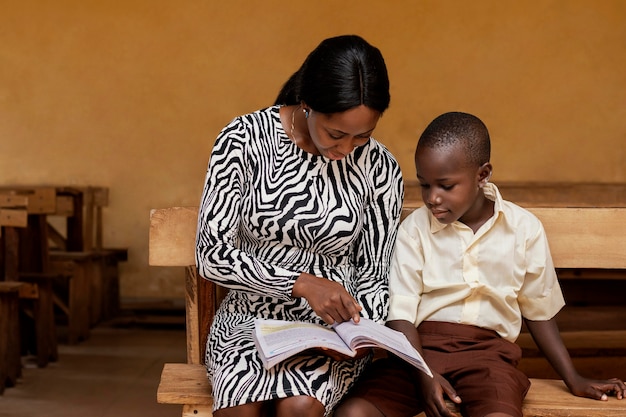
{"x": 26, "y": 260}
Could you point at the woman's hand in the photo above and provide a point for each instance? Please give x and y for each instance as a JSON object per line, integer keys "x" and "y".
{"x": 329, "y": 299}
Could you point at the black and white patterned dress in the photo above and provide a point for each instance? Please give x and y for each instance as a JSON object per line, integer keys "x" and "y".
{"x": 269, "y": 211}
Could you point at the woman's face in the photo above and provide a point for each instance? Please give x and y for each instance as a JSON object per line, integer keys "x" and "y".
{"x": 335, "y": 135}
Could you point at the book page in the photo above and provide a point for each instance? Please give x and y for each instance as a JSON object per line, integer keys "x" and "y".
{"x": 277, "y": 340}
{"x": 368, "y": 333}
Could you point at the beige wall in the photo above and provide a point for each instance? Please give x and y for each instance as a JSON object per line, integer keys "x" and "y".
{"x": 131, "y": 94}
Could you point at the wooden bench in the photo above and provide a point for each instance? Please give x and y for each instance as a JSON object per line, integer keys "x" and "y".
{"x": 24, "y": 258}
{"x": 82, "y": 274}
{"x": 12, "y": 214}
{"x": 579, "y": 238}
{"x": 76, "y": 230}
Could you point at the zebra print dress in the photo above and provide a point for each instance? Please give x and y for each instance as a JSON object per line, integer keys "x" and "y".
{"x": 269, "y": 211}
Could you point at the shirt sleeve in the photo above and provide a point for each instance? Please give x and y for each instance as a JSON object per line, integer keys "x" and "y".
{"x": 540, "y": 297}
{"x": 217, "y": 257}
{"x": 405, "y": 277}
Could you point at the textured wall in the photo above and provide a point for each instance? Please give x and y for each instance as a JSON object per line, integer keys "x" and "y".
{"x": 131, "y": 94}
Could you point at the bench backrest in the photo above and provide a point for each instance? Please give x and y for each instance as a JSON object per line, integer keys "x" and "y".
{"x": 579, "y": 238}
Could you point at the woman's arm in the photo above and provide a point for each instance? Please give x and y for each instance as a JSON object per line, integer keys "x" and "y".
{"x": 377, "y": 240}
{"x": 217, "y": 256}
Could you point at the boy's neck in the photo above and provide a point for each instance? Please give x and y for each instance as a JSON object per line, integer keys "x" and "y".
{"x": 484, "y": 210}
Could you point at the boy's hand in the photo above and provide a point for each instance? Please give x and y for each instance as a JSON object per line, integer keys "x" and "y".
{"x": 433, "y": 390}
{"x": 598, "y": 389}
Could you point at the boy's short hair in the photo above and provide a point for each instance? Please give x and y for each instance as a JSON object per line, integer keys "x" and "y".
{"x": 457, "y": 128}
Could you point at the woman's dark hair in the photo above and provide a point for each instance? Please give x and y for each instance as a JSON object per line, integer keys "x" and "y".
{"x": 341, "y": 73}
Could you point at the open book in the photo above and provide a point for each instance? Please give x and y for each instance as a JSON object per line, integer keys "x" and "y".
{"x": 277, "y": 340}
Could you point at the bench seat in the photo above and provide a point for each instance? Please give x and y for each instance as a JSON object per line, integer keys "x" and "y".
{"x": 579, "y": 238}
{"x": 188, "y": 385}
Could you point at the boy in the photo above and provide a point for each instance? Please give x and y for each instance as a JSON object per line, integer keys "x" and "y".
{"x": 467, "y": 268}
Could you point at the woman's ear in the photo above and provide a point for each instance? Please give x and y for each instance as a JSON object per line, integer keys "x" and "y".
{"x": 305, "y": 109}
{"x": 484, "y": 174}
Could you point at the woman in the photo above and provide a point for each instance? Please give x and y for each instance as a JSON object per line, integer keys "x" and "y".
{"x": 298, "y": 218}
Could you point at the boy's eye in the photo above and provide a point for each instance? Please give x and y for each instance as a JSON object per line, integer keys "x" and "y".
{"x": 424, "y": 185}
{"x": 447, "y": 187}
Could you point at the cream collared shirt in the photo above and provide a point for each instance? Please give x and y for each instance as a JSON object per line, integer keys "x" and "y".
{"x": 489, "y": 279}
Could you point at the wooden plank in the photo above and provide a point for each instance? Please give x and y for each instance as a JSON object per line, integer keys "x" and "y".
{"x": 188, "y": 384}
{"x": 29, "y": 291}
{"x": 10, "y": 286}
{"x": 546, "y": 194}
{"x": 172, "y": 236}
{"x": 596, "y": 367}
{"x": 582, "y": 343}
{"x": 13, "y": 217}
{"x": 75, "y": 225}
{"x": 194, "y": 354}
{"x": 88, "y": 219}
{"x": 41, "y": 199}
{"x": 183, "y": 383}
{"x": 197, "y": 410}
{"x": 563, "y": 194}
{"x": 100, "y": 196}
{"x": 585, "y": 237}
{"x": 64, "y": 206}
{"x": 579, "y": 237}
{"x": 551, "y": 398}
{"x": 8, "y": 199}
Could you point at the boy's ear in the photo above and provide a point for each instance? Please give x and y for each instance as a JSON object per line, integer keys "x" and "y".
{"x": 484, "y": 174}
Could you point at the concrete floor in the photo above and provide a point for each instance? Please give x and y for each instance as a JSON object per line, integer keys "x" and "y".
{"x": 115, "y": 373}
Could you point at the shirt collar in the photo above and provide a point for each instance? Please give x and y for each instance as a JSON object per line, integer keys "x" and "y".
{"x": 491, "y": 192}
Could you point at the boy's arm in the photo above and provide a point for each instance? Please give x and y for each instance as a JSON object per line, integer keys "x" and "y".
{"x": 546, "y": 335}
{"x": 432, "y": 389}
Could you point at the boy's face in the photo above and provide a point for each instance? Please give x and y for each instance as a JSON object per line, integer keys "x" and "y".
{"x": 450, "y": 185}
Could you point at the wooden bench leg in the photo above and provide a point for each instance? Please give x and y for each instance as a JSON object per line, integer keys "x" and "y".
{"x": 10, "y": 355}
{"x": 40, "y": 336}
{"x": 73, "y": 296}
{"x": 197, "y": 410}
{"x": 45, "y": 328}
{"x": 110, "y": 276}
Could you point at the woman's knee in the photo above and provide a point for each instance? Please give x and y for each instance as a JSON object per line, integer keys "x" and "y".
{"x": 301, "y": 405}
{"x": 357, "y": 407}
{"x": 245, "y": 410}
